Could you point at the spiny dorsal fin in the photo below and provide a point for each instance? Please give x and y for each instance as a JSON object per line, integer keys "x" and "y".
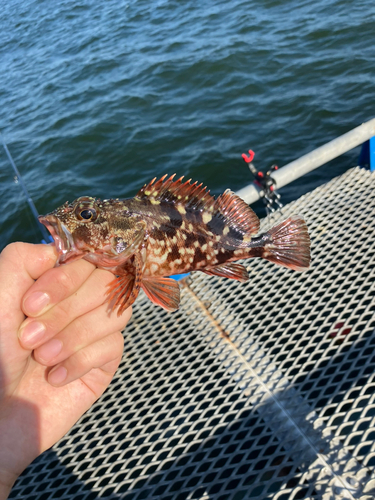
{"x": 191, "y": 196}
{"x": 237, "y": 213}
{"x": 228, "y": 206}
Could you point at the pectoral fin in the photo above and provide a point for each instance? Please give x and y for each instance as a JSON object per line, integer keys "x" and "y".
{"x": 119, "y": 291}
{"x": 163, "y": 292}
{"x": 230, "y": 270}
{"x": 125, "y": 288}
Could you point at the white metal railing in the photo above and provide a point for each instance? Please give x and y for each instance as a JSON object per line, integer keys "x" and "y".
{"x": 313, "y": 160}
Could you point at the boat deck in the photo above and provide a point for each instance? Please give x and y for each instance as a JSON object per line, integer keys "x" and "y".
{"x": 262, "y": 390}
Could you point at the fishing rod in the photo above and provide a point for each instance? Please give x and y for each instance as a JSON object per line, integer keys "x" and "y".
{"x": 18, "y": 178}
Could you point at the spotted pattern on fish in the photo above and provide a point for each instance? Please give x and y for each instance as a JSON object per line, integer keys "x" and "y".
{"x": 170, "y": 227}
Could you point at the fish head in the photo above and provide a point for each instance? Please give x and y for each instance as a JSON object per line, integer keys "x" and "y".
{"x": 100, "y": 231}
{"x": 77, "y": 228}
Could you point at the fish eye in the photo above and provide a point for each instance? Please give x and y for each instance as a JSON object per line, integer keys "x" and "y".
{"x": 88, "y": 213}
{"x": 85, "y": 212}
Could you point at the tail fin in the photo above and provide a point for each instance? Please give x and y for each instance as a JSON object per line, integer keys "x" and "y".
{"x": 288, "y": 244}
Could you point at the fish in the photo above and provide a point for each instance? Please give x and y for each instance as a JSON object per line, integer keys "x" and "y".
{"x": 170, "y": 227}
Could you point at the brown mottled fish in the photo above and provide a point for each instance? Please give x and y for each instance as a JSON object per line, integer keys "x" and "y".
{"x": 170, "y": 227}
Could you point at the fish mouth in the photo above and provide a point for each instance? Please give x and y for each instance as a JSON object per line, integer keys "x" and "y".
{"x": 63, "y": 239}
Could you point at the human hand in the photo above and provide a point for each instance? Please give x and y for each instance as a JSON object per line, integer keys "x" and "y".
{"x": 55, "y": 363}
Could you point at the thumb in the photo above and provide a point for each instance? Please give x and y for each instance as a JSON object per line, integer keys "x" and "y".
{"x": 20, "y": 265}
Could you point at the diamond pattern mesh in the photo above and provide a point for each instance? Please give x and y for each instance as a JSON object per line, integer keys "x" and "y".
{"x": 262, "y": 390}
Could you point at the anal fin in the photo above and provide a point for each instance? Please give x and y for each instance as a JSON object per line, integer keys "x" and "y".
{"x": 164, "y": 292}
{"x": 232, "y": 271}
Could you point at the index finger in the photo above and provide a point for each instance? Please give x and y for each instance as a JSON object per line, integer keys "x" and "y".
{"x": 20, "y": 265}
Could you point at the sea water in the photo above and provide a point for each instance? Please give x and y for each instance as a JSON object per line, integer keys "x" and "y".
{"x": 97, "y": 98}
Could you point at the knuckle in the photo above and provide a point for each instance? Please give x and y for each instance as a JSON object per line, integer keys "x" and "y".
{"x": 115, "y": 345}
{"x": 63, "y": 312}
{"x": 111, "y": 367}
{"x": 59, "y": 316}
{"x": 125, "y": 317}
{"x": 112, "y": 345}
{"x": 119, "y": 341}
{"x": 85, "y": 358}
{"x": 84, "y": 332}
{"x": 14, "y": 250}
{"x": 17, "y": 246}
{"x": 65, "y": 279}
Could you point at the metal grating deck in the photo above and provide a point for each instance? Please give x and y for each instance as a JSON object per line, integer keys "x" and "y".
{"x": 264, "y": 390}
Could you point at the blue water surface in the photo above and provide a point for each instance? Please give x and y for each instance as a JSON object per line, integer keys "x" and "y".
{"x": 97, "y": 98}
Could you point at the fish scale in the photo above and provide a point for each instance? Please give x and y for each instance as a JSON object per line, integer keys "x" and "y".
{"x": 170, "y": 227}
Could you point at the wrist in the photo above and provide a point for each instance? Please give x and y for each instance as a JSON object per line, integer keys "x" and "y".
{"x": 7, "y": 481}
{"x": 18, "y": 445}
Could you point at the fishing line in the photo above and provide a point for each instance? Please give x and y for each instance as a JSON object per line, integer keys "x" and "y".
{"x": 18, "y": 179}
{"x": 29, "y": 218}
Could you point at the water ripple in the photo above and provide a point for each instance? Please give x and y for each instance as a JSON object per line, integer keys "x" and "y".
{"x": 99, "y": 97}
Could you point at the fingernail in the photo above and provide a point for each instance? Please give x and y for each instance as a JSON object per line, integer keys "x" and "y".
{"x": 57, "y": 375}
{"x": 49, "y": 350}
{"x": 36, "y": 303}
{"x": 32, "y": 333}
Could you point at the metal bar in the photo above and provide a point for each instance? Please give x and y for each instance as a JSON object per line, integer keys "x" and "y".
{"x": 315, "y": 159}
